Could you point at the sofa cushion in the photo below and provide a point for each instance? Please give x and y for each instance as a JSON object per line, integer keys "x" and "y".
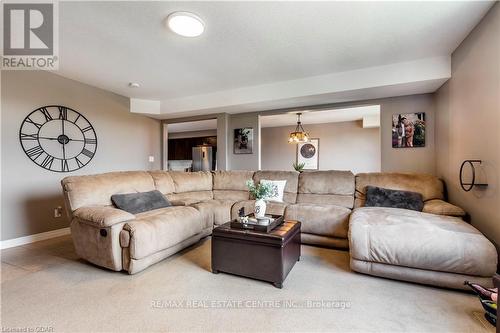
{"x": 191, "y": 181}
{"x": 323, "y": 220}
{"x": 140, "y": 202}
{"x": 230, "y": 185}
{"x": 153, "y": 212}
{"x": 231, "y": 195}
{"x": 382, "y": 197}
{"x": 161, "y": 229}
{"x": 214, "y": 212}
{"x": 97, "y": 190}
{"x": 326, "y": 187}
{"x": 430, "y": 187}
{"x": 419, "y": 240}
{"x": 189, "y": 198}
{"x": 275, "y": 208}
{"x": 291, "y": 186}
{"x": 326, "y": 199}
{"x": 163, "y": 181}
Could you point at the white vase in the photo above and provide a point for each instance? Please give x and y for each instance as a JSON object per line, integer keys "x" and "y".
{"x": 260, "y": 208}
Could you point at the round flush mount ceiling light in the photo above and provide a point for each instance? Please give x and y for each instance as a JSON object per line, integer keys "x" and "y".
{"x": 185, "y": 24}
{"x": 134, "y": 85}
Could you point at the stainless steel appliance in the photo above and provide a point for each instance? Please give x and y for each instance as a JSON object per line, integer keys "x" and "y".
{"x": 202, "y": 158}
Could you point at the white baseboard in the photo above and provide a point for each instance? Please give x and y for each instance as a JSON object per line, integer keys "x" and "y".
{"x": 34, "y": 238}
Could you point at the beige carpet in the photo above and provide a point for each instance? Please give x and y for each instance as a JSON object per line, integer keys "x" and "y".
{"x": 45, "y": 285}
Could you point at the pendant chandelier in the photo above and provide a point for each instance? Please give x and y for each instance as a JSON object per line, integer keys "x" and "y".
{"x": 299, "y": 135}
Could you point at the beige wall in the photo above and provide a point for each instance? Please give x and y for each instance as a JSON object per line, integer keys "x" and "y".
{"x": 468, "y": 122}
{"x": 422, "y": 159}
{"x": 243, "y": 161}
{"x": 30, "y": 193}
{"x": 342, "y": 146}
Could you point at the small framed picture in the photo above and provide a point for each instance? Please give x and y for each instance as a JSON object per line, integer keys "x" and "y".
{"x": 408, "y": 130}
{"x": 243, "y": 140}
{"x": 308, "y": 153}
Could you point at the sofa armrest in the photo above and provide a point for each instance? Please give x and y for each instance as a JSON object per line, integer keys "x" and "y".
{"x": 102, "y": 216}
{"x": 441, "y": 207}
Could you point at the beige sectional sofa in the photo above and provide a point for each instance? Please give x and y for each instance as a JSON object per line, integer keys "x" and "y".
{"x": 322, "y": 200}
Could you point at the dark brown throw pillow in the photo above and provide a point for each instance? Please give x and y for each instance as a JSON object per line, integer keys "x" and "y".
{"x": 383, "y": 197}
{"x": 135, "y": 203}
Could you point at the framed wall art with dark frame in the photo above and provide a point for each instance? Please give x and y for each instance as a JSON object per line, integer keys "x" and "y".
{"x": 308, "y": 153}
{"x": 243, "y": 140}
{"x": 408, "y": 130}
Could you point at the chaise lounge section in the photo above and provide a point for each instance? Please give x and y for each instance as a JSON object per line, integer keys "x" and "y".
{"x": 433, "y": 247}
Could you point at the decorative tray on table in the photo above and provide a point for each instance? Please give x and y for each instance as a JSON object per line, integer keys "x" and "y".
{"x": 263, "y": 224}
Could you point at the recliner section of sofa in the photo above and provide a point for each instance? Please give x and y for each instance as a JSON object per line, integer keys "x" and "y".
{"x": 324, "y": 203}
{"x": 154, "y": 231}
{"x": 98, "y": 229}
{"x": 96, "y": 224}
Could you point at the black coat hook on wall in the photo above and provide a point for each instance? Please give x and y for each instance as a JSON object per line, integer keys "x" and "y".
{"x": 468, "y": 186}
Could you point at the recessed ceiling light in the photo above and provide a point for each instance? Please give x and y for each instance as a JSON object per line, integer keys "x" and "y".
{"x": 134, "y": 85}
{"x": 185, "y": 24}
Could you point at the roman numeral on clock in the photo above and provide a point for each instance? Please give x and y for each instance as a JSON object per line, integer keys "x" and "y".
{"x": 34, "y": 152}
{"x": 63, "y": 113}
{"x": 87, "y": 153}
{"x": 29, "y": 120}
{"x": 64, "y": 166}
{"x": 29, "y": 136}
{"x": 47, "y": 161}
{"x": 79, "y": 163}
{"x": 86, "y": 129}
{"x": 90, "y": 141}
{"x": 47, "y": 114}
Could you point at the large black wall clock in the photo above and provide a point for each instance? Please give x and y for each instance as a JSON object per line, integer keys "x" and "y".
{"x": 58, "y": 138}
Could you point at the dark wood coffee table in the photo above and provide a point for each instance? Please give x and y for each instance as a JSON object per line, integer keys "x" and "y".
{"x": 258, "y": 255}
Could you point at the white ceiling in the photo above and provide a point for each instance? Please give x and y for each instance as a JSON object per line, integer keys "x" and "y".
{"x": 261, "y": 55}
{"x": 321, "y": 117}
{"x": 191, "y": 126}
{"x": 288, "y": 119}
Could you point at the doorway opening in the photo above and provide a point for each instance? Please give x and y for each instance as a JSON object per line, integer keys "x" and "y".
{"x": 192, "y": 146}
{"x": 340, "y": 139}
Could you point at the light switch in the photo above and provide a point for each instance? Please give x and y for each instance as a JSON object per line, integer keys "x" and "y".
{"x": 151, "y": 159}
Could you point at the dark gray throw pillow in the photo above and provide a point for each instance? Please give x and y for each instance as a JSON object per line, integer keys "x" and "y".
{"x": 383, "y": 197}
{"x": 140, "y": 202}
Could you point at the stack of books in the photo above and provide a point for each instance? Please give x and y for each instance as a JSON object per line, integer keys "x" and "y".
{"x": 264, "y": 224}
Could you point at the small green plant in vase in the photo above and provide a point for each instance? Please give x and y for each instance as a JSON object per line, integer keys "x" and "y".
{"x": 299, "y": 166}
{"x": 259, "y": 192}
